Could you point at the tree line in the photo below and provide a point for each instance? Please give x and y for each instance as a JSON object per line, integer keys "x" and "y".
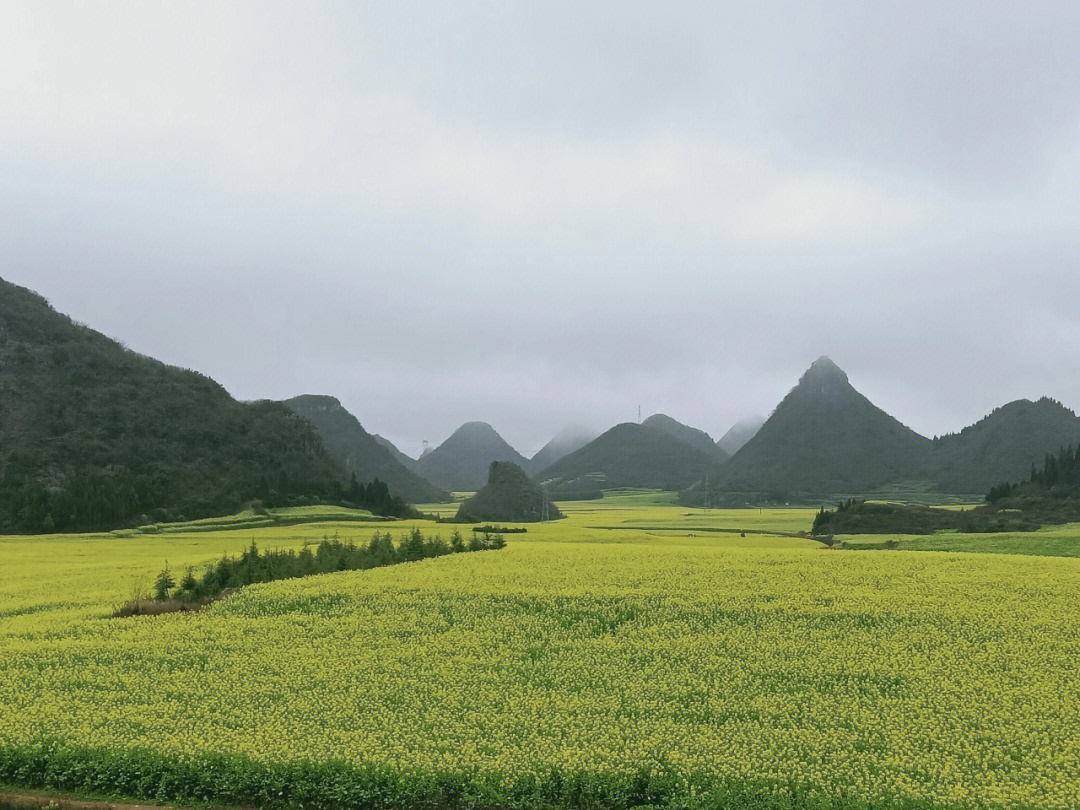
{"x": 1060, "y": 474}
{"x": 254, "y": 565}
{"x": 97, "y": 500}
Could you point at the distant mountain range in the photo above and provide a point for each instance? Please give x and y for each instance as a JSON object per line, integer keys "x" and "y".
{"x": 826, "y": 438}
{"x": 94, "y": 436}
{"x": 461, "y": 463}
{"x": 360, "y": 453}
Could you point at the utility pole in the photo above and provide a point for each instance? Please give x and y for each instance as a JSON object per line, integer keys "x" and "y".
{"x": 706, "y": 491}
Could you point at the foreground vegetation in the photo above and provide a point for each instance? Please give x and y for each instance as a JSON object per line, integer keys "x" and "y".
{"x": 580, "y": 667}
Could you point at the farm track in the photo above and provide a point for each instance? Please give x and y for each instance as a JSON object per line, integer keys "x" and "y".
{"x": 38, "y": 800}
{"x": 678, "y": 530}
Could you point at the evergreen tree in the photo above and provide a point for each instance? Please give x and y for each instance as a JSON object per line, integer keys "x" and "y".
{"x": 188, "y": 583}
{"x": 164, "y": 584}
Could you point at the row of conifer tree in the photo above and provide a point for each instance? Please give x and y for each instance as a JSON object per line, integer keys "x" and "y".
{"x": 328, "y": 556}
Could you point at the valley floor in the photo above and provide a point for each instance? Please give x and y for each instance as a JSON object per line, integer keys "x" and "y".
{"x": 636, "y": 653}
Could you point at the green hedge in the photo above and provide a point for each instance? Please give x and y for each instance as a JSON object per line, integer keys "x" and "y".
{"x": 227, "y": 779}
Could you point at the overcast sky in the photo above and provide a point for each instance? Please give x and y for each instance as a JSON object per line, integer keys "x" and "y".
{"x": 542, "y": 214}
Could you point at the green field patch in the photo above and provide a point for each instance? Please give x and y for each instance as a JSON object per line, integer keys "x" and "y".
{"x": 1054, "y": 541}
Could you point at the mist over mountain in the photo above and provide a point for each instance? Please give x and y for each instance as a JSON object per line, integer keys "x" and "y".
{"x": 693, "y": 437}
{"x": 565, "y": 442}
{"x": 740, "y": 433}
{"x": 94, "y": 435}
{"x": 461, "y": 463}
{"x": 630, "y": 455}
{"x": 360, "y": 453}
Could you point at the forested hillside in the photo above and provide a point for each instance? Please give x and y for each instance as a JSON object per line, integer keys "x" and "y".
{"x": 1003, "y": 446}
{"x": 360, "y": 453}
{"x": 93, "y": 435}
{"x": 826, "y": 437}
{"x": 694, "y": 437}
{"x": 461, "y": 462}
{"x": 629, "y": 455}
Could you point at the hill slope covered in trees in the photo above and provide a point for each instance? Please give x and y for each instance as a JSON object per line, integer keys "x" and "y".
{"x": 1003, "y": 446}
{"x": 408, "y": 462}
{"x": 359, "y": 452}
{"x": 460, "y": 464}
{"x": 510, "y": 495}
{"x": 94, "y": 436}
{"x": 698, "y": 439}
{"x": 629, "y": 455}
{"x": 1049, "y": 495}
{"x": 826, "y": 437}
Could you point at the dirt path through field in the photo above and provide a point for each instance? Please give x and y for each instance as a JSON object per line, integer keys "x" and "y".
{"x": 32, "y": 800}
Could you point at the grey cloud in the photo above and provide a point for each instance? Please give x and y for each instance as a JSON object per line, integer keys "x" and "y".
{"x": 541, "y": 215}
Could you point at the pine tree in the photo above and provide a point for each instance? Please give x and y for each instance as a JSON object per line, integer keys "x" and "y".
{"x": 164, "y": 584}
{"x": 456, "y": 543}
{"x": 188, "y": 583}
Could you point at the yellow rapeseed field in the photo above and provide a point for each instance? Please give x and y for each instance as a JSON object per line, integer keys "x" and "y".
{"x": 941, "y": 676}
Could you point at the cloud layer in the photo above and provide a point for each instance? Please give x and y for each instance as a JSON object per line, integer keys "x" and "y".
{"x": 539, "y": 214}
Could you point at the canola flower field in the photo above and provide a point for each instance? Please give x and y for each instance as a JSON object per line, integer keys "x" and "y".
{"x": 663, "y": 660}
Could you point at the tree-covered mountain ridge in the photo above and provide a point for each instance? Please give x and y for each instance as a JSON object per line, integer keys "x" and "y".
{"x": 825, "y": 437}
{"x": 94, "y": 435}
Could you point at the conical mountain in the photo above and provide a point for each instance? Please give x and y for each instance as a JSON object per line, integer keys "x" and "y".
{"x": 94, "y": 436}
{"x": 358, "y": 451}
{"x": 740, "y": 433}
{"x": 630, "y": 455}
{"x": 698, "y": 439}
{"x": 564, "y": 443}
{"x": 824, "y": 438}
{"x": 510, "y": 495}
{"x": 1003, "y": 446}
{"x": 461, "y": 463}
